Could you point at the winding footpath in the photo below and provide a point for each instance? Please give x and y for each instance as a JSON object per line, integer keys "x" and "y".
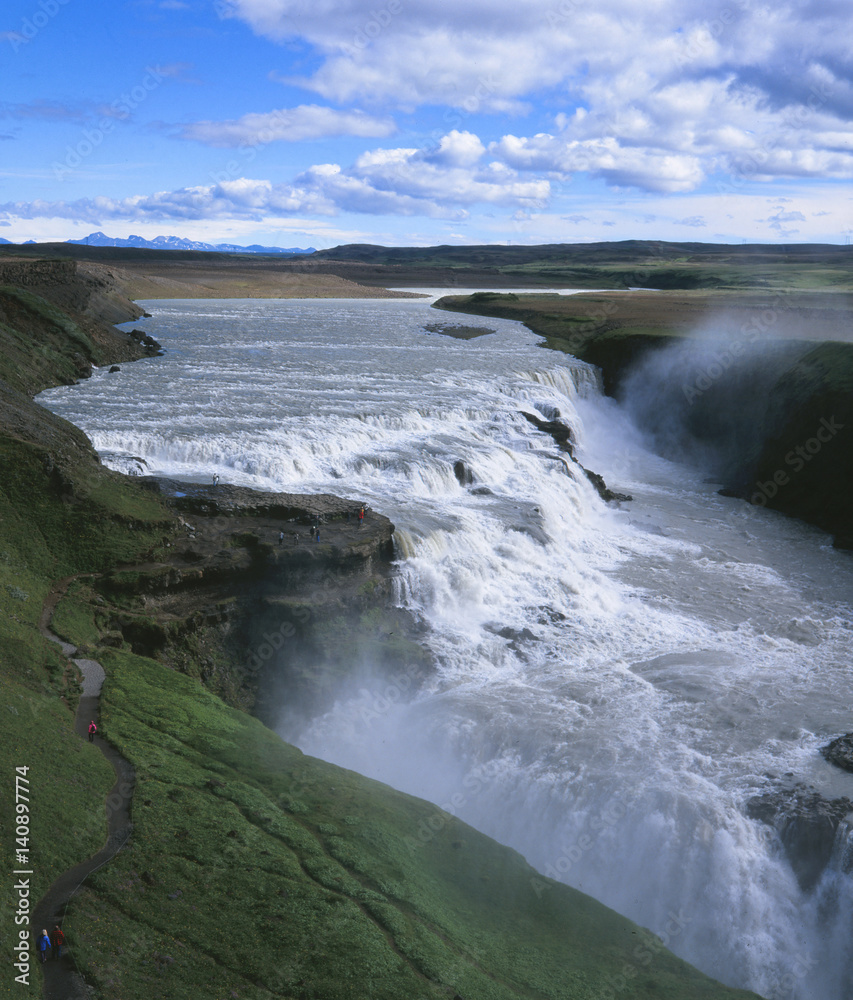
{"x": 61, "y": 978}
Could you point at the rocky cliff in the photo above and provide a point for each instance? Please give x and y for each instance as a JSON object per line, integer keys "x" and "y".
{"x": 270, "y": 599}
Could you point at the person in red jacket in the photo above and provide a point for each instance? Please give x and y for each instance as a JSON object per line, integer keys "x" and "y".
{"x": 57, "y": 940}
{"x": 92, "y": 730}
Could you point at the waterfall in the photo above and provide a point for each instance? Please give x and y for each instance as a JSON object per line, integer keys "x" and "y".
{"x": 613, "y": 683}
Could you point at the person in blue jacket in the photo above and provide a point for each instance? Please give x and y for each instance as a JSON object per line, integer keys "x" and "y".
{"x": 43, "y": 945}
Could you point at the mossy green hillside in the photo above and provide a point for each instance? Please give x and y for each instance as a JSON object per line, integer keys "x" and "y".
{"x": 74, "y": 615}
{"x": 256, "y": 871}
{"x": 54, "y": 522}
{"x": 38, "y": 342}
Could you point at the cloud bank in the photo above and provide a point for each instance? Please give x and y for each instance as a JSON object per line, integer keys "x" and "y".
{"x": 656, "y": 96}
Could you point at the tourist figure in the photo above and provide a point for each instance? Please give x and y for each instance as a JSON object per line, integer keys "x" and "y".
{"x": 215, "y": 478}
{"x": 281, "y": 538}
{"x": 360, "y": 516}
{"x": 58, "y": 942}
{"x": 92, "y": 730}
{"x": 43, "y": 945}
{"x": 295, "y": 537}
{"x": 317, "y": 532}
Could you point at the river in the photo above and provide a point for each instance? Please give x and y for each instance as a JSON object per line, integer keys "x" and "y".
{"x": 614, "y": 682}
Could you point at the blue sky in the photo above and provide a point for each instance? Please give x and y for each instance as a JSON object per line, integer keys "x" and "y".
{"x": 416, "y": 122}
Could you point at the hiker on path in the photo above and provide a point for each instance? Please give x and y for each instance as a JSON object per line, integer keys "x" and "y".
{"x": 92, "y": 730}
{"x": 360, "y": 516}
{"x": 215, "y": 478}
{"x": 43, "y": 945}
{"x": 281, "y": 538}
{"x": 58, "y": 942}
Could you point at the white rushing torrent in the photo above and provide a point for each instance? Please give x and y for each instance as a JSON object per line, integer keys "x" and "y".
{"x": 613, "y": 683}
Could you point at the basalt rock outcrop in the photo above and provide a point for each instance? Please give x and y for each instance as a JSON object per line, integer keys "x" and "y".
{"x": 464, "y": 475}
{"x": 563, "y": 437}
{"x": 56, "y": 323}
{"x": 840, "y": 752}
{"x": 807, "y": 825}
{"x": 260, "y": 608}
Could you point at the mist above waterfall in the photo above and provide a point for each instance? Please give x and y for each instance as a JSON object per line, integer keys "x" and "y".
{"x": 704, "y": 399}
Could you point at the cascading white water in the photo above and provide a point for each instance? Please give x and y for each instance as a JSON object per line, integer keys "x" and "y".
{"x": 613, "y": 684}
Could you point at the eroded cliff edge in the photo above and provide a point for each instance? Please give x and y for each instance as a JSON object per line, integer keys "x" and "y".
{"x": 270, "y": 599}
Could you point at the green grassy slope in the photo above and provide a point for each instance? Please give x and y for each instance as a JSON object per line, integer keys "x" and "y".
{"x": 53, "y": 523}
{"x": 37, "y": 342}
{"x": 255, "y": 871}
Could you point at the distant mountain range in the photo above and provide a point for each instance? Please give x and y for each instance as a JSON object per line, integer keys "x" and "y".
{"x": 178, "y": 243}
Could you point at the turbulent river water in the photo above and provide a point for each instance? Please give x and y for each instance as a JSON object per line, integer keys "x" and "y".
{"x": 614, "y": 682}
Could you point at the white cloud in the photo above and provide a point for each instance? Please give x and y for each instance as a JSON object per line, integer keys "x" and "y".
{"x": 653, "y": 170}
{"x": 307, "y": 121}
{"x": 442, "y": 182}
{"x": 673, "y": 90}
